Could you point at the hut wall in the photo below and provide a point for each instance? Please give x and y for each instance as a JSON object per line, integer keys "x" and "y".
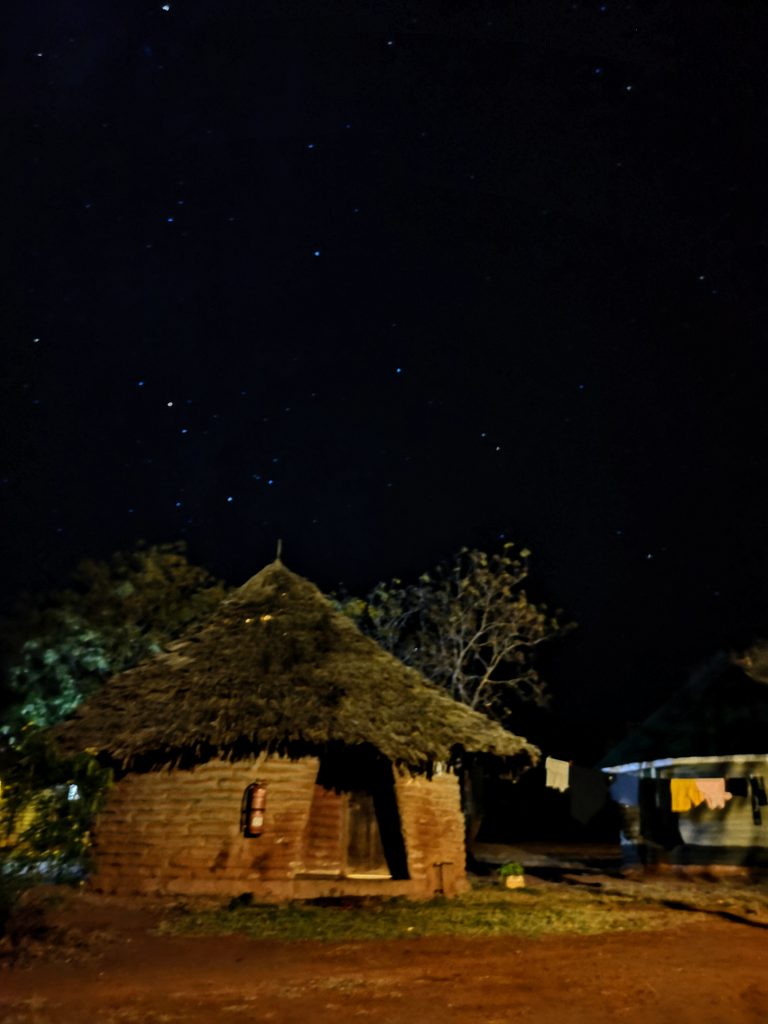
{"x": 433, "y": 828}
{"x": 325, "y": 828}
{"x": 179, "y": 831}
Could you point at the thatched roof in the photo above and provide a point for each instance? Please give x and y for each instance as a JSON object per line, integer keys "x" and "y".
{"x": 278, "y": 668}
{"x": 721, "y": 710}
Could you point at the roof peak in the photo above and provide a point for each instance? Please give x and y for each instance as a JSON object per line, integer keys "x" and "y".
{"x": 259, "y": 585}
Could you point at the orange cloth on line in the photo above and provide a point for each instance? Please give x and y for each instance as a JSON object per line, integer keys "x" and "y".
{"x": 713, "y": 791}
{"x": 685, "y": 794}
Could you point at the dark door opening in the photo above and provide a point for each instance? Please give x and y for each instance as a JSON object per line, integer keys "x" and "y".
{"x": 355, "y": 832}
{"x": 364, "y": 850}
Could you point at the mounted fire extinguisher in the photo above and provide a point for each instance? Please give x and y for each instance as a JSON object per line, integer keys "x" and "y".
{"x": 253, "y": 808}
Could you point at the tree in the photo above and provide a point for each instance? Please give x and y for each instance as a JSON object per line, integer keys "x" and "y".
{"x": 60, "y": 646}
{"x": 468, "y": 626}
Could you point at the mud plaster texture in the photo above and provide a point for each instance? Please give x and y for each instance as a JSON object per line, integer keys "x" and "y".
{"x": 178, "y": 831}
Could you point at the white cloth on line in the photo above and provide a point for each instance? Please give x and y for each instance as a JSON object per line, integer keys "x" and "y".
{"x": 558, "y": 773}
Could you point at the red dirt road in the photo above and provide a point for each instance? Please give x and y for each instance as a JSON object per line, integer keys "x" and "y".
{"x": 706, "y": 971}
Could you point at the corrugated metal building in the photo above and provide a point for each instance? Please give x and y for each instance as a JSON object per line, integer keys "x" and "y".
{"x": 714, "y": 727}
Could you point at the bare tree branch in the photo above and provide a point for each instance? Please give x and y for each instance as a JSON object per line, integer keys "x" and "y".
{"x": 468, "y": 627}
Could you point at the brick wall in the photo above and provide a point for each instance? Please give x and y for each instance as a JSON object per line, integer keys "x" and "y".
{"x": 433, "y": 828}
{"x": 179, "y": 832}
{"x": 323, "y": 852}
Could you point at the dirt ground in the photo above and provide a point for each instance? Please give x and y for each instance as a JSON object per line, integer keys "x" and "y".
{"x": 113, "y": 968}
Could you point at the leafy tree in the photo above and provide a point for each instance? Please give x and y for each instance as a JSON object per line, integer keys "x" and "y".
{"x": 61, "y": 646}
{"x": 47, "y": 803}
{"x": 468, "y": 626}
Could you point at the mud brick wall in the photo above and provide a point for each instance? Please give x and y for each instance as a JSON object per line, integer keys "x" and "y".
{"x": 325, "y": 832}
{"x": 433, "y": 828}
{"x": 179, "y": 830}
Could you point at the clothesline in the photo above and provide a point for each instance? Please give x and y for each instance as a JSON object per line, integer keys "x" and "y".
{"x": 590, "y": 789}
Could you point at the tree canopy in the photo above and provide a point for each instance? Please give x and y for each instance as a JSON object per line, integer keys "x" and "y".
{"x": 468, "y": 626}
{"x": 61, "y": 645}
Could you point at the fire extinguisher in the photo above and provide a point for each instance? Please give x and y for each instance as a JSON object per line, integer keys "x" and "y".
{"x": 253, "y": 808}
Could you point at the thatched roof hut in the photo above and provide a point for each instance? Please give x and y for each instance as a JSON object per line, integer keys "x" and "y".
{"x": 280, "y": 687}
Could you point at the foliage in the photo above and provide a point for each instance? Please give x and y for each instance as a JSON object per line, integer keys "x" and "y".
{"x": 48, "y": 803}
{"x": 512, "y": 867}
{"x": 468, "y": 626}
{"x": 533, "y": 911}
{"x": 60, "y": 646}
{"x": 754, "y": 661}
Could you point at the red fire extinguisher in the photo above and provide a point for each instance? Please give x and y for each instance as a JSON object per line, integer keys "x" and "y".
{"x": 254, "y": 806}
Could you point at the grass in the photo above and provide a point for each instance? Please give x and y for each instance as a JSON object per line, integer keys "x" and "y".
{"x": 484, "y": 912}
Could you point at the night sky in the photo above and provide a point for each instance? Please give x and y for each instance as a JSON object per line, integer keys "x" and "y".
{"x": 385, "y": 279}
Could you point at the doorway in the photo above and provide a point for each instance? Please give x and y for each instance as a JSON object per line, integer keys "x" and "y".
{"x": 355, "y": 833}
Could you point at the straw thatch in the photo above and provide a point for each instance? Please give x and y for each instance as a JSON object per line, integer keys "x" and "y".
{"x": 278, "y": 669}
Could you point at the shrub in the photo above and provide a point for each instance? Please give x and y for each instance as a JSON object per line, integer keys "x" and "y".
{"x": 513, "y": 867}
{"x": 47, "y": 806}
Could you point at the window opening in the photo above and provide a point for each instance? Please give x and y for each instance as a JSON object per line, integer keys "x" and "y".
{"x": 253, "y": 809}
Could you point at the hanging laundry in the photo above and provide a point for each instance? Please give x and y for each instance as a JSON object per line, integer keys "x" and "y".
{"x": 625, "y": 789}
{"x": 658, "y": 823}
{"x": 713, "y": 791}
{"x": 558, "y": 773}
{"x": 759, "y": 798}
{"x": 685, "y": 794}
{"x": 737, "y": 786}
{"x": 589, "y": 792}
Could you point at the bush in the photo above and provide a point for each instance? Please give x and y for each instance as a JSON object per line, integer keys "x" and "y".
{"x": 47, "y": 806}
{"x": 513, "y": 867}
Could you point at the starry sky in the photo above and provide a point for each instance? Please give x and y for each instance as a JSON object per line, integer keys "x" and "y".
{"x": 386, "y": 279}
